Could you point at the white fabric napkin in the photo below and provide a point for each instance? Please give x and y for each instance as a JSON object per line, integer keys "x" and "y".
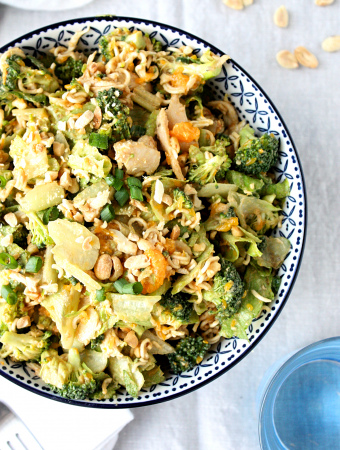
{"x": 58, "y": 426}
{"x": 43, "y": 5}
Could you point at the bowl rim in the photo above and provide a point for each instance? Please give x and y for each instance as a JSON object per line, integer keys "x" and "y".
{"x": 255, "y": 342}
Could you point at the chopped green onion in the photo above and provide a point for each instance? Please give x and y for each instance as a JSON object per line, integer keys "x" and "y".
{"x": 8, "y": 261}
{"x": 100, "y": 295}
{"x": 50, "y": 214}
{"x": 108, "y": 213}
{"x": 8, "y": 294}
{"x": 137, "y": 131}
{"x": 119, "y": 173}
{"x": 132, "y": 181}
{"x": 3, "y": 181}
{"x": 118, "y": 184}
{"x": 110, "y": 179}
{"x": 122, "y": 196}
{"x": 124, "y": 287}
{"x": 34, "y": 264}
{"x": 136, "y": 193}
{"x": 99, "y": 140}
{"x": 73, "y": 281}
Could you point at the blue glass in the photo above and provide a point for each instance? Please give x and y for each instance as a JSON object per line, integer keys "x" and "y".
{"x": 299, "y": 400}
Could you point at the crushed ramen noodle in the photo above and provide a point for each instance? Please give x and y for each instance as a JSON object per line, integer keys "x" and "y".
{"x": 136, "y": 213}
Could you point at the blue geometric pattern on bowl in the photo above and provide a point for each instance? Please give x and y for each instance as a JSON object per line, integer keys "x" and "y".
{"x": 253, "y": 105}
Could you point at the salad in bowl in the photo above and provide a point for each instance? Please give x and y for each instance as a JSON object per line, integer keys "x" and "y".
{"x": 137, "y": 213}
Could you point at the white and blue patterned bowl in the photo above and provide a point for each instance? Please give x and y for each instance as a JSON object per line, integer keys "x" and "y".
{"x": 253, "y": 105}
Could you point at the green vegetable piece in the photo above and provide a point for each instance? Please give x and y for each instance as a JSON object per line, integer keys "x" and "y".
{"x": 189, "y": 352}
{"x": 255, "y": 279}
{"x": 280, "y": 190}
{"x": 227, "y": 290}
{"x": 108, "y": 213}
{"x": 153, "y": 376}
{"x": 245, "y": 183}
{"x": 145, "y": 99}
{"x": 50, "y": 214}
{"x": 69, "y": 70}
{"x": 157, "y": 45}
{"x": 95, "y": 343}
{"x": 276, "y": 283}
{"x": 137, "y": 131}
{"x": 151, "y": 123}
{"x": 110, "y": 180}
{"x": 118, "y": 184}
{"x": 115, "y": 115}
{"x": 177, "y": 306}
{"x": 255, "y": 155}
{"x": 136, "y": 38}
{"x": 132, "y": 181}
{"x": 3, "y": 182}
{"x": 122, "y": 196}
{"x": 119, "y": 174}
{"x": 121, "y": 370}
{"x": 8, "y": 261}
{"x": 100, "y": 295}
{"x": 24, "y": 347}
{"x": 40, "y": 235}
{"x": 34, "y": 264}
{"x": 99, "y": 140}
{"x": 124, "y": 287}
{"x": 136, "y": 193}
{"x": 8, "y": 294}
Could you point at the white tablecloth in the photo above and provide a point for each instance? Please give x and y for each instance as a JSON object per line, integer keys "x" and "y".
{"x": 221, "y": 416}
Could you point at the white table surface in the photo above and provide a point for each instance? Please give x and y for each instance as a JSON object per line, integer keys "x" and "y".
{"x": 222, "y": 414}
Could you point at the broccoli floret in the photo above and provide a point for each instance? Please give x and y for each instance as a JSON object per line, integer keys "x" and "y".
{"x": 68, "y": 379}
{"x": 24, "y": 347}
{"x": 39, "y": 231}
{"x": 95, "y": 343}
{"x": 19, "y": 233}
{"x": 227, "y": 290}
{"x": 206, "y": 173}
{"x": 189, "y": 352}
{"x": 115, "y": 115}
{"x": 182, "y": 203}
{"x": 177, "y": 306}
{"x": 157, "y": 45}
{"x": 219, "y": 148}
{"x": 208, "y": 164}
{"x": 40, "y": 77}
{"x": 105, "y": 50}
{"x": 69, "y": 70}
{"x": 263, "y": 244}
{"x": 230, "y": 213}
{"x": 8, "y": 313}
{"x": 78, "y": 391}
{"x": 255, "y": 155}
